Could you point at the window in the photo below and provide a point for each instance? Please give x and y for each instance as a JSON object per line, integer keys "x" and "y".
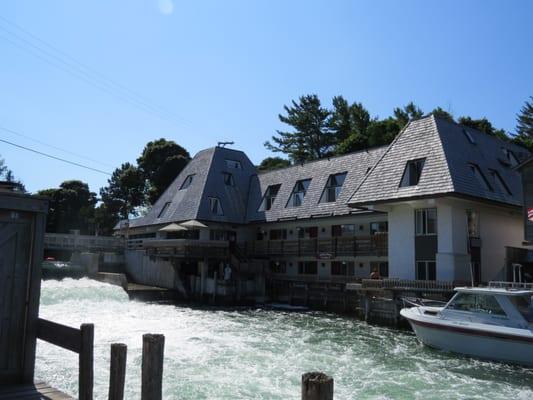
{"x": 232, "y": 164}
{"x": 218, "y": 234}
{"x": 412, "y": 173}
{"x": 343, "y": 230}
{"x": 187, "y": 182}
{"x": 426, "y": 270}
{"x": 298, "y": 193}
{"x": 164, "y": 210}
{"x": 307, "y": 233}
{"x": 500, "y": 183}
{"x": 480, "y": 303}
{"x": 379, "y": 227}
{"x": 473, "y": 223}
{"x": 214, "y": 206}
{"x": 343, "y": 268}
{"x": 333, "y": 188}
{"x": 510, "y": 157}
{"x": 278, "y": 267}
{"x": 307, "y": 267}
{"x": 381, "y": 266}
{"x": 469, "y": 136}
{"x": 269, "y": 197}
{"x": 426, "y": 221}
{"x": 476, "y": 171}
{"x": 278, "y": 234}
{"x": 228, "y": 179}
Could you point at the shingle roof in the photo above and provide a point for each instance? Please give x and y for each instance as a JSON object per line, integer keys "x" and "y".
{"x": 448, "y": 153}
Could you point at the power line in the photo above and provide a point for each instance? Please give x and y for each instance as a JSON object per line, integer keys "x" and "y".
{"x": 85, "y": 73}
{"x": 54, "y": 157}
{"x": 53, "y": 147}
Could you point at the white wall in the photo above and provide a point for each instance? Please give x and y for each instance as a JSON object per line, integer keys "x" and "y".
{"x": 145, "y": 271}
{"x": 401, "y": 242}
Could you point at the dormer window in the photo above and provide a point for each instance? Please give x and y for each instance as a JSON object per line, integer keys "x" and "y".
{"x": 476, "y": 171}
{"x": 469, "y": 136}
{"x": 333, "y": 188}
{"x": 214, "y": 206}
{"x": 412, "y": 172}
{"x": 298, "y": 193}
{"x": 510, "y": 157}
{"x": 187, "y": 182}
{"x": 500, "y": 183}
{"x": 232, "y": 164}
{"x": 228, "y": 179}
{"x": 269, "y": 197}
{"x": 164, "y": 210}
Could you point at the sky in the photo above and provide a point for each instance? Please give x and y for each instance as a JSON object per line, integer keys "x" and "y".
{"x": 94, "y": 81}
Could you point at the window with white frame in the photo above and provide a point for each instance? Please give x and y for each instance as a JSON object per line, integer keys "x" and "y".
{"x": 413, "y": 172}
{"x": 215, "y": 207}
{"x": 298, "y": 193}
{"x": 426, "y": 221}
{"x": 269, "y": 197}
{"x": 333, "y": 188}
{"x": 379, "y": 227}
{"x": 426, "y": 270}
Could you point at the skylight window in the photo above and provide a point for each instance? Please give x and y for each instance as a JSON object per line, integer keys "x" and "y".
{"x": 413, "y": 172}
{"x": 215, "y": 207}
{"x": 469, "y": 136}
{"x": 269, "y": 197}
{"x": 476, "y": 171}
{"x": 510, "y": 157}
{"x": 187, "y": 182}
{"x": 232, "y": 164}
{"x": 500, "y": 183}
{"x": 228, "y": 179}
{"x": 163, "y": 210}
{"x": 333, "y": 188}
{"x": 298, "y": 193}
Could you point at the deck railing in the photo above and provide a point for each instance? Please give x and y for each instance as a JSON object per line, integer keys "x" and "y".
{"x": 407, "y": 284}
{"x": 64, "y": 241}
{"x": 185, "y": 248}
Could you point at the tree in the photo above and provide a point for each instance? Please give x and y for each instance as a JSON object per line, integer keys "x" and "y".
{"x": 483, "y": 125}
{"x": 524, "y": 126}
{"x": 71, "y": 207}
{"x": 7, "y": 175}
{"x": 440, "y": 113}
{"x": 160, "y": 163}
{"x": 124, "y": 193}
{"x": 408, "y": 113}
{"x": 271, "y": 163}
{"x": 349, "y": 124}
{"x": 311, "y": 138}
{"x": 382, "y": 132}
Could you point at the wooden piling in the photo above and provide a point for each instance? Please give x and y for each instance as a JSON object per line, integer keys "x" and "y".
{"x": 152, "y": 367}
{"x": 317, "y": 386}
{"x": 215, "y": 282}
{"x": 117, "y": 371}
{"x": 86, "y": 378}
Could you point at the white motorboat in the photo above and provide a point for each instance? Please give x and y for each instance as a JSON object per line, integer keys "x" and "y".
{"x": 494, "y": 322}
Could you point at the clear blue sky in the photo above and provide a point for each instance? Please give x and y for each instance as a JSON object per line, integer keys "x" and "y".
{"x": 224, "y": 70}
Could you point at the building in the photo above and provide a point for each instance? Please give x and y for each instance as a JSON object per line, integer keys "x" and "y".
{"x": 441, "y": 202}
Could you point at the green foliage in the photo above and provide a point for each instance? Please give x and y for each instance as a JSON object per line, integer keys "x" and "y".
{"x": 524, "y": 126}
{"x": 124, "y": 193}
{"x": 311, "y": 137}
{"x": 440, "y": 113}
{"x": 160, "y": 163}
{"x": 484, "y": 125}
{"x": 271, "y": 163}
{"x": 350, "y": 125}
{"x": 71, "y": 207}
{"x": 408, "y": 113}
{"x": 7, "y": 175}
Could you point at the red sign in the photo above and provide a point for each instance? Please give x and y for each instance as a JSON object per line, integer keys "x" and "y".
{"x": 530, "y": 214}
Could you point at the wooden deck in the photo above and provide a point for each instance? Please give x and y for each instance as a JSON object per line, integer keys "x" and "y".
{"x": 37, "y": 391}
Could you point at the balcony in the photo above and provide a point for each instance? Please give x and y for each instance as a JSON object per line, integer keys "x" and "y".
{"x": 325, "y": 248}
{"x": 181, "y": 248}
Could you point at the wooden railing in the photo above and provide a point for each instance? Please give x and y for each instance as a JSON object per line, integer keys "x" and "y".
{"x": 79, "y": 341}
{"x": 185, "y": 248}
{"x": 321, "y": 247}
{"x": 60, "y": 241}
{"x": 407, "y": 284}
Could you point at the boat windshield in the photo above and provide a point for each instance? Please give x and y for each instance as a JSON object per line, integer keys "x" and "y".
{"x": 524, "y": 305}
{"x": 478, "y": 302}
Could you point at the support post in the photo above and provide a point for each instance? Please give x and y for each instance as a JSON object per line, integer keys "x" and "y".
{"x": 117, "y": 371}
{"x": 85, "y": 381}
{"x": 215, "y": 282}
{"x": 317, "y": 386}
{"x": 152, "y": 367}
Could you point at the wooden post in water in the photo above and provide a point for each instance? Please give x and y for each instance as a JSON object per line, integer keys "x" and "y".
{"x": 117, "y": 371}
{"x": 215, "y": 281}
{"x": 152, "y": 367}
{"x": 317, "y": 386}
{"x": 85, "y": 388}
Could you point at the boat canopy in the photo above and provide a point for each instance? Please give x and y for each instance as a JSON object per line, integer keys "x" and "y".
{"x": 493, "y": 291}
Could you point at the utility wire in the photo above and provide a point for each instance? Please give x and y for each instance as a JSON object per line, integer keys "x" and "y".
{"x": 85, "y": 73}
{"x": 53, "y": 147}
{"x": 54, "y": 157}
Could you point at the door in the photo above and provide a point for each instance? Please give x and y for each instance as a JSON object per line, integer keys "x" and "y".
{"x": 15, "y": 258}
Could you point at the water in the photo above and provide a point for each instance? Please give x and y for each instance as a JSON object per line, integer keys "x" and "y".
{"x": 258, "y": 354}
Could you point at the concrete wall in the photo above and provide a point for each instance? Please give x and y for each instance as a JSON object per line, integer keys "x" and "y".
{"x": 142, "y": 270}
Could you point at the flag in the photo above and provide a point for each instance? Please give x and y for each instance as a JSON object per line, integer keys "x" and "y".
{"x": 530, "y": 214}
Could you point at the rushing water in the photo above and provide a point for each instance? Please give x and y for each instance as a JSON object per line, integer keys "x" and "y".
{"x": 258, "y": 354}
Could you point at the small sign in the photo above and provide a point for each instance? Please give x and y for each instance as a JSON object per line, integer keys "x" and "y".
{"x": 325, "y": 256}
{"x": 530, "y": 214}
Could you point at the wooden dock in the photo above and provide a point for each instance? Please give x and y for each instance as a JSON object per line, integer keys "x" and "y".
{"x": 37, "y": 391}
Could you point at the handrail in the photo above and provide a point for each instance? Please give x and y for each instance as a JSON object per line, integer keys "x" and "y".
{"x": 510, "y": 285}
{"x": 79, "y": 341}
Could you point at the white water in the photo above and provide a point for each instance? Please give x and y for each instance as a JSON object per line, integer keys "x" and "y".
{"x": 257, "y": 354}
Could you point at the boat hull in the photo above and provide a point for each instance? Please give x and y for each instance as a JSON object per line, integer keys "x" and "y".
{"x": 471, "y": 342}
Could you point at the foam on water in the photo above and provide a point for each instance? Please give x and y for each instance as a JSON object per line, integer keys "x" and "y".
{"x": 257, "y": 354}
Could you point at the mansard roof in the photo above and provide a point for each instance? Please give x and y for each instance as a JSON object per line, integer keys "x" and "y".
{"x": 449, "y": 150}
